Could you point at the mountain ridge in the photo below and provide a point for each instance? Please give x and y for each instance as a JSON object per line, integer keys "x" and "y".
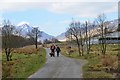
{"x": 113, "y": 25}
{"x": 25, "y": 27}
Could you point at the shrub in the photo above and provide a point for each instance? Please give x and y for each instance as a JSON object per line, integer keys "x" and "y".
{"x": 109, "y": 60}
{"x": 115, "y": 65}
{"x": 110, "y": 63}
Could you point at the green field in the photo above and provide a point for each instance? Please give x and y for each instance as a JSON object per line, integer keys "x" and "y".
{"x": 98, "y": 65}
{"x": 23, "y": 64}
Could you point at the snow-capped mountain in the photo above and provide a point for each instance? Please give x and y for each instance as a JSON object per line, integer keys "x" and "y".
{"x": 45, "y": 36}
{"x": 61, "y": 37}
{"x": 24, "y": 27}
{"x": 113, "y": 25}
{"x": 23, "y": 23}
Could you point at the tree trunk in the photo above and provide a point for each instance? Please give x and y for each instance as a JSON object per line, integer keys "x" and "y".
{"x": 7, "y": 52}
{"x": 81, "y": 43}
{"x": 89, "y": 45}
{"x": 86, "y": 37}
{"x": 7, "y": 56}
{"x": 82, "y": 50}
{"x": 36, "y": 41}
{"x": 78, "y": 44}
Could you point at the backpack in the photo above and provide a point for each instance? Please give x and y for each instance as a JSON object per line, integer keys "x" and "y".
{"x": 58, "y": 49}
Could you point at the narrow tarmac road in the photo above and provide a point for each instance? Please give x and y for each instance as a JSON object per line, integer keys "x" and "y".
{"x": 60, "y": 67}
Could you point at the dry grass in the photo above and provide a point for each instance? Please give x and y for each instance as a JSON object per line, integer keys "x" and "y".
{"x": 0, "y": 70}
{"x": 0, "y": 63}
{"x": 109, "y": 61}
{"x": 25, "y": 61}
{"x": 27, "y": 49}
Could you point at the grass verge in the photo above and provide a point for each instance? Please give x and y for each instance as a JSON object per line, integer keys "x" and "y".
{"x": 23, "y": 64}
{"x": 97, "y": 65}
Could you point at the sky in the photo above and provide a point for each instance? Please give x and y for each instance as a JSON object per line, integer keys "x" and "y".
{"x": 53, "y": 16}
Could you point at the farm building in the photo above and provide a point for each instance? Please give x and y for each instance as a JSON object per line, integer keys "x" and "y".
{"x": 111, "y": 38}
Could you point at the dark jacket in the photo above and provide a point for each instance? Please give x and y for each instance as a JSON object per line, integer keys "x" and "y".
{"x": 52, "y": 48}
{"x": 58, "y": 49}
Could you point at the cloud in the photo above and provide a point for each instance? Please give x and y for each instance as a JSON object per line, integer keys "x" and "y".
{"x": 1, "y": 19}
{"x": 72, "y": 7}
{"x": 59, "y": 1}
{"x": 18, "y": 6}
{"x": 84, "y": 9}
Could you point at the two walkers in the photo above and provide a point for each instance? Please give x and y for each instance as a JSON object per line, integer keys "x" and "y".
{"x": 54, "y": 48}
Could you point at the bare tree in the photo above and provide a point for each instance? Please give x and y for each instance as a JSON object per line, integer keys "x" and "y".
{"x": 8, "y": 41}
{"x": 81, "y": 38}
{"x": 101, "y": 21}
{"x": 88, "y": 35}
{"x": 74, "y": 31}
{"x": 34, "y": 34}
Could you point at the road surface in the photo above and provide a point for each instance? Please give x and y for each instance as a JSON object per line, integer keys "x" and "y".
{"x": 60, "y": 67}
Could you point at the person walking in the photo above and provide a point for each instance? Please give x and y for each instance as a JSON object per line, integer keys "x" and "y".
{"x": 58, "y": 50}
{"x": 52, "y": 48}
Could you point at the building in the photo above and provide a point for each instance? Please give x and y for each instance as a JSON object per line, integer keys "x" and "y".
{"x": 111, "y": 38}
